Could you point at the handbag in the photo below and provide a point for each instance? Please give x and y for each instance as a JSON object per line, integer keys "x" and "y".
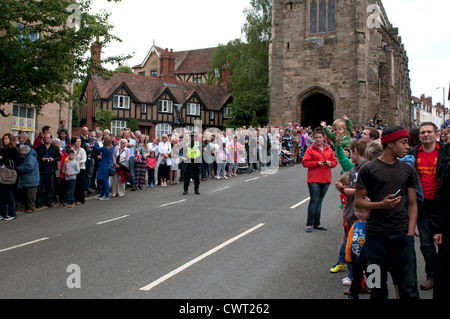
{"x": 112, "y": 171}
{"x": 8, "y": 176}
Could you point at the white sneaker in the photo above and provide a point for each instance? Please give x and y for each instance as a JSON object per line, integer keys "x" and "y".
{"x": 347, "y": 281}
{"x": 9, "y": 217}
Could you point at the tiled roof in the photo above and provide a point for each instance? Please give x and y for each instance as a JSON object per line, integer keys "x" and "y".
{"x": 196, "y": 61}
{"x": 190, "y": 62}
{"x": 148, "y": 89}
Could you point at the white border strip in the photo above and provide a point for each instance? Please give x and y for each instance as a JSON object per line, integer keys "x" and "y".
{"x": 196, "y": 260}
{"x": 301, "y": 203}
{"x": 24, "y": 244}
{"x": 111, "y": 220}
{"x": 179, "y": 201}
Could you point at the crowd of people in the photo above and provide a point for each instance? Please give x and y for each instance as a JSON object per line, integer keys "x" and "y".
{"x": 384, "y": 190}
{"x": 393, "y": 186}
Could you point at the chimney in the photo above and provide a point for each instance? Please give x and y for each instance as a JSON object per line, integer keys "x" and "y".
{"x": 226, "y": 74}
{"x": 167, "y": 66}
{"x": 96, "y": 53}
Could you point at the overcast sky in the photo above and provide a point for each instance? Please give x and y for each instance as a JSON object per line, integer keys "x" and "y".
{"x": 196, "y": 24}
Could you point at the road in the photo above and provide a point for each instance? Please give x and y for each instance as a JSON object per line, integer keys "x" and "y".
{"x": 241, "y": 238}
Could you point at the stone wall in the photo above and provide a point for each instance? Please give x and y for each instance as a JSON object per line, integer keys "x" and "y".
{"x": 345, "y": 65}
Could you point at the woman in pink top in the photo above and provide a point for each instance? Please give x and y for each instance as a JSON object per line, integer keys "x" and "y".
{"x": 234, "y": 156}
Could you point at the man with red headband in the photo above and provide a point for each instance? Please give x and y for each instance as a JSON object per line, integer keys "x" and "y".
{"x": 391, "y": 224}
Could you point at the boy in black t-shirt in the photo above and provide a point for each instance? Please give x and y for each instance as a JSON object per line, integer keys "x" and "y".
{"x": 390, "y": 226}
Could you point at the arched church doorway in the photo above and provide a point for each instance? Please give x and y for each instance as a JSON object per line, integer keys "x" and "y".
{"x": 315, "y": 109}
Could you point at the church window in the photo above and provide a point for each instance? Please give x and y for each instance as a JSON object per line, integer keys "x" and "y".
{"x": 313, "y": 15}
{"x": 331, "y": 15}
{"x": 322, "y": 16}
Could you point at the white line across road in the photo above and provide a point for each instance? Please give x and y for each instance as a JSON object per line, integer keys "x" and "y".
{"x": 171, "y": 203}
{"x": 220, "y": 189}
{"x": 24, "y": 244}
{"x": 251, "y": 179}
{"x": 196, "y": 260}
{"x": 301, "y": 203}
{"x": 111, "y": 220}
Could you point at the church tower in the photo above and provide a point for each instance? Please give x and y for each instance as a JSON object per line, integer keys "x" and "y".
{"x": 330, "y": 58}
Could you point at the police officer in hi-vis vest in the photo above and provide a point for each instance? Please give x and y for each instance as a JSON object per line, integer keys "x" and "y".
{"x": 193, "y": 164}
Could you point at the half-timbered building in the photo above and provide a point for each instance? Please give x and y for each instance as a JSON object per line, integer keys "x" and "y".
{"x": 159, "y": 104}
{"x": 189, "y": 66}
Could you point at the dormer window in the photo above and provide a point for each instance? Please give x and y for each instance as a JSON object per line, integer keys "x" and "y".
{"x": 165, "y": 106}
{"x": 121, "y": 102}
{"x": 193, "y": 109}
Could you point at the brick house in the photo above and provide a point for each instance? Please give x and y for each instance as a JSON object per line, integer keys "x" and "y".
{"x": 159, "y": 103}
{"x": 189, "y": 66}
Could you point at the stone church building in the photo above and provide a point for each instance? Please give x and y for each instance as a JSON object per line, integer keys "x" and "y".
{"x": 330, "y": 58}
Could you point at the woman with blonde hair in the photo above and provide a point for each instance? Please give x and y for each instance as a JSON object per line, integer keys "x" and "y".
{"x": 175, "y": 156}
{"x": 120, "y": 159}
{"x": 106, "y": 149}
{"x": 164, "y": 160}
{"x": 141, "y": 151}
{"x": 80, "y": 156}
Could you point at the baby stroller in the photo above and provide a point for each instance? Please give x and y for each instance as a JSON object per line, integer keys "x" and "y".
{"x": 243, "y": 167}
{"x": 287, "y": 158}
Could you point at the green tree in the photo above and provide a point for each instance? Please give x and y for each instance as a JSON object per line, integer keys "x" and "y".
{"x": 124, "y": 69}
{"x": 104, "y": 118}
{"x": 249, "y": 63}
{"x": 43, "y": 46}
{"x": 133, "y": 125}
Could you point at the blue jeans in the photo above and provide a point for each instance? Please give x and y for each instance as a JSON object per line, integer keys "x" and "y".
{"x": 46, "y": 189}
{"x": 427, "y": 246}
{"x": 70, "y": 195}
{"x": 131, "y": 165}
{"x": 90, "y": 162}
{"x": 317, "y": 192}
{"x": 105, "y": 187}
{"x": 393, "y": 251}
{"x": 151, "y": 176}
{"x": 7, "y": 200}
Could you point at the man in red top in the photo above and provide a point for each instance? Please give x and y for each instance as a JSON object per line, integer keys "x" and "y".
{"x": 426, "y": 155}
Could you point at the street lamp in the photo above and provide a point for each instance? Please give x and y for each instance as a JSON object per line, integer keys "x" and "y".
{"x": 443, "y": 98}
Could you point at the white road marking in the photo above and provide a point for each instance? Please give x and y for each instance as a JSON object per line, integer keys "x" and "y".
{"x": 251, "y": 179}
{"x": 24, "y": 244}
{"x": 111, "y": 220}
{"x": 220, "y": 189}
{"x": 301, "y": 203}
{"x": 179, "y": 201}
{"x": 196, "y": 260}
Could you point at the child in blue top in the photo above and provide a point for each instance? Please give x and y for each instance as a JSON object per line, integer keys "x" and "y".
{"x": 355, "y": 252}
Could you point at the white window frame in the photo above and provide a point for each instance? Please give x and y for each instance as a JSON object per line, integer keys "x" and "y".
{"x": 143, "y": 108}
{"x": 165, "y": 106}
{"x": 227, "y": 112}
{"x": 190, "y": 128}
{"x": 117, "y": 125}
{"x": 197, "y": 78}
{"x": 212, "y": 115}
{"x": 121, "y": 102}
{"x": 193, "y": 109}
{"x": 163, "y": 128}
{"x": 24, "y": 112}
